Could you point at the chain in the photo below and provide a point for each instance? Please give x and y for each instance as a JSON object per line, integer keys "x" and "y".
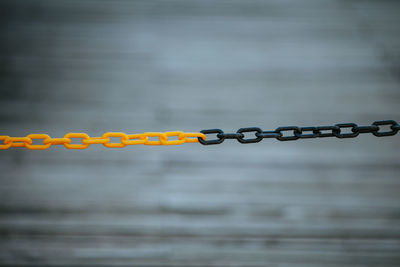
{"x": 125, "y": 140}
{"x": 201, "y": 137}
{"x": 296, "y": 133}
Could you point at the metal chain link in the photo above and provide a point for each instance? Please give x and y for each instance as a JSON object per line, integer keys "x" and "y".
{"x": 296, "y": 132}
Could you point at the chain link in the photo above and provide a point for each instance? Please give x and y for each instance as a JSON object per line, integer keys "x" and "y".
{"x": 125, "y": 139}
{"x": 243, "y": 135}
{"x": 295, "y": 132}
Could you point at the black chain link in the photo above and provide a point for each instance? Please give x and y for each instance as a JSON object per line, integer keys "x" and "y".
{"x": 255, "y": 134}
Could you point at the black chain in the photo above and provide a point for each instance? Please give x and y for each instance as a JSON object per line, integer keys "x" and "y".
{"x": 301, "y": 132}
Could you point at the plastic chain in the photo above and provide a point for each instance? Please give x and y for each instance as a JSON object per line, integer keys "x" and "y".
{"x": 285, "y": 133}
{"x": 125, "y": 140}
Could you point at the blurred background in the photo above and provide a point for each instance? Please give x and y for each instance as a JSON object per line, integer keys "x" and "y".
{"x": 137, "y": 66}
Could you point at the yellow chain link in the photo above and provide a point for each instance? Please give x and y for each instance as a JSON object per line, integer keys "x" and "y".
{"x": 125, "y": 140}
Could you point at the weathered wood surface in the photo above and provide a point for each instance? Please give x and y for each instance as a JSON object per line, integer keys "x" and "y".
{"x": 135, "y": 66}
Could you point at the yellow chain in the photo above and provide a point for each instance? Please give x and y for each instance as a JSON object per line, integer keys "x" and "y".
{"x": 125, "y": 140}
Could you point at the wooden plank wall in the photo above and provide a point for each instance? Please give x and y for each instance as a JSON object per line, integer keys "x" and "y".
{"x": 135, "y": 66}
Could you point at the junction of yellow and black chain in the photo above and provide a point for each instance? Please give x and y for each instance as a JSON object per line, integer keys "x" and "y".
{"x": 301, "y": 132}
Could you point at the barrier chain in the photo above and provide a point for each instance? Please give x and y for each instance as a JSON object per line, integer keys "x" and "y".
{"x": 162, "y": 138}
